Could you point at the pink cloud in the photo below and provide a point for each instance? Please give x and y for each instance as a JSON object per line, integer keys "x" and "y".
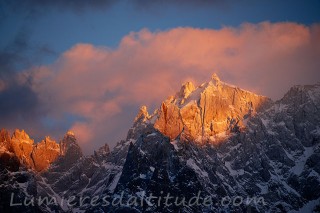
{"x": 106, "y": 86}
{"x": 83, "y": 131}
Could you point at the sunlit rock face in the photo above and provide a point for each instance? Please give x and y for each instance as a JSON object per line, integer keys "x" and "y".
{"x": 39, "y": 156}
{"x": 22, "y": 146}
{"x": 44, "y": 153}
{"x": 169, "y": 121}
{"x": 143, "y": 114}
{"x": 7, "y": 159}
{"x": 208, "y": 111}
{"x": 5, "y": 141}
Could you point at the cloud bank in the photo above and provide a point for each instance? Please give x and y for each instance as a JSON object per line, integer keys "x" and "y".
{"x": 96, "y": 91}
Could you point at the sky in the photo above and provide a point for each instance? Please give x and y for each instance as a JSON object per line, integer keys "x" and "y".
{"x": 88, "y": 66}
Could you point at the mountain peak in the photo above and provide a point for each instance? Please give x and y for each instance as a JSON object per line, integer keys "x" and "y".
{"x": 22, "y": 136}
{"x": 70, "y": 146}
{"x": 5, "y": 140}
{"x": 70, "y": 133}
{"x": 215, "y": 77}
{"x": 44, "y": 153}
{"x": 186, "y": 89}
{"x": 68, "y": 140}
{"x": 39, "y": 156}
{"x": 208, "y": 111}
{"x": 143, "y": 114}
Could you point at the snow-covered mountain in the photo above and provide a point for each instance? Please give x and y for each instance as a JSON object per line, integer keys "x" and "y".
{"x": 211, "y": 148}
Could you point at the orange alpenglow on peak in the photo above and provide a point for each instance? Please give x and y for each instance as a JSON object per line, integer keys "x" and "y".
{"x": 37, "y": 156}
{"x": 143, "y": 114}
{"x": 215, "y": 77}
{"x": 186, "y": 89}
{"x": 22, "y": 147}
{"x": 44, "y": 153}
{"x": 5, "y": 141}
{"x": 207, "y": 112}
{"x": 70, "y": 133}
{"x": 21, "y": 136}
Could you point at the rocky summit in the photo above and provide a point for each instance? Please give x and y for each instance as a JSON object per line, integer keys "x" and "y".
{"x": 37, "y": 156}
{"x": 208, "y": 111}
{"x": 209, "y": 148}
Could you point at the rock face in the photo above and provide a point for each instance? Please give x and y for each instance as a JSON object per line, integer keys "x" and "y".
{"x": 44, "y": 153}
{"x": 69, "y": 147}
{"x": 102, "y": 153}
{"x": 208, "y": 111}
{"x": 169, "y": 121}
{"x": 38, "y": 156}
{"x": 143, "y": 114}
{"x": 8, "y": 160}
{"x": 5, "y": 141}
{"x": 70, "y": 153}
{"x": 22, "y": 146}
